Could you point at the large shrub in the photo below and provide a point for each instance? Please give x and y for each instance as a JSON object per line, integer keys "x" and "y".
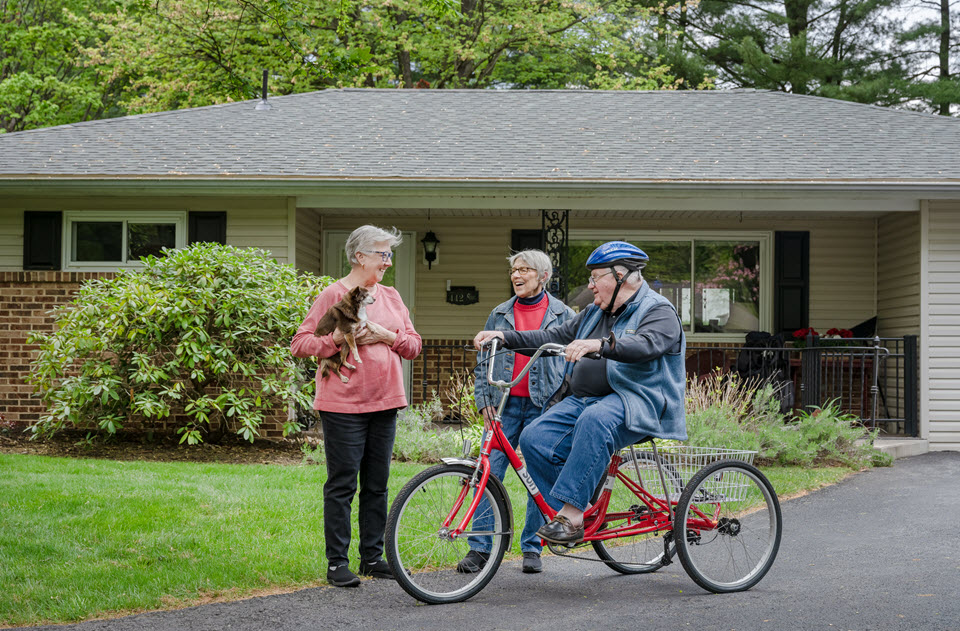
{"x": 197, "y": 340}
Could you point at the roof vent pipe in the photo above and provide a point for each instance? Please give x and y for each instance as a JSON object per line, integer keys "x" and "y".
{"x": 262, "y": 104}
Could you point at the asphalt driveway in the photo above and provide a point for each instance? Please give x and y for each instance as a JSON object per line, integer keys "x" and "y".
{"x": 880, "y": 550}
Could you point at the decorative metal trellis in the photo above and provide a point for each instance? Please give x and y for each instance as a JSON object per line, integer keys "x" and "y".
{"x": 555, "y": 225}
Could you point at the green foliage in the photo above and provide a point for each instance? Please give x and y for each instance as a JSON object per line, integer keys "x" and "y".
{"x": 458, "y": 397}
{"x": 418, "y": 439}
{"x": 724, "y": 412}
{"x": 41, "y": 81}
{"x": 860, "y": 51}
{"x": 198, "y": 340}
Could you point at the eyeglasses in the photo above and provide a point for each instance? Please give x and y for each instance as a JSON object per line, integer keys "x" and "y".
{"x": 386, "y": 257}
{"x": 522, "y": 270}
{"x": 593, "y": 279}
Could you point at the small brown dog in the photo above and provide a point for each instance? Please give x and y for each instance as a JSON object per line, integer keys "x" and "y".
{"x": 350, "y": 316}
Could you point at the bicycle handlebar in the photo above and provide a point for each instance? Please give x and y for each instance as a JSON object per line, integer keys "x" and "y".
{"x": 550, "y": 348}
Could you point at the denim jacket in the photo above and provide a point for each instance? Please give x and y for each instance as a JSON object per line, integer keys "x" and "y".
{"x": 545, "y": 375}
{"x": 652, "y": 392}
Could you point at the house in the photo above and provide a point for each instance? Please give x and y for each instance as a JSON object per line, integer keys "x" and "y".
{"x": 760, "y": 210}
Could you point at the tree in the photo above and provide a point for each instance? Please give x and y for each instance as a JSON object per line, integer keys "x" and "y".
{"x": 830, "y": 48}
{"x": 509, "y": 43}
{"x": 198, "y": 341}
{"x": 930, "y": 46}
{"x": 42, "y": 81}
{"x": 189, "y": 53}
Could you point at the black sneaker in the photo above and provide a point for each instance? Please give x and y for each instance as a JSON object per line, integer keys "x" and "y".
{"x": 473, "y": 562}
{"x": 377, "y": 569}
{"x": 531, "y": 563}
{"x": 341, "y": 576}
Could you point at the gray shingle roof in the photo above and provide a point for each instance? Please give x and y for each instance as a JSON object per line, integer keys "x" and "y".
{"x": 486, "y": 135}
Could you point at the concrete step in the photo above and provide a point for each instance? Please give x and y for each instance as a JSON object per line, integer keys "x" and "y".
{"x": 902, "y": 447}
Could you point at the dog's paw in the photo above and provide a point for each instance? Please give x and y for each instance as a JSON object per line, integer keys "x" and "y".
{"x": 343, "y": 377}
{"x": 350, "y": 366}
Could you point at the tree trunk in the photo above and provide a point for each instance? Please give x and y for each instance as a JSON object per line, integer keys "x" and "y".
{"x": 403, "y": 60}
{"x": 797, "y": 24}
{"x": 944, "y": 106}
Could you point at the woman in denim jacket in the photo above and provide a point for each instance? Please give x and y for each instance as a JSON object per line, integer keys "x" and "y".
{"x": 531, "y": 308}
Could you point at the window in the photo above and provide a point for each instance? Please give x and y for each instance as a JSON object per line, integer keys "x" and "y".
{"x": 107, "y": 241}
{"x": 719, "y": 283}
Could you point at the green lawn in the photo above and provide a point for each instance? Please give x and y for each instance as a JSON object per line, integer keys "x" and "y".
{"x": 90, "y": 538}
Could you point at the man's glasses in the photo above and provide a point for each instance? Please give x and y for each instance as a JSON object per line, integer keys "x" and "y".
{"x": 522, "y": 270}
{"x": 593, "y": 279}
{"x": 386, "y": 257}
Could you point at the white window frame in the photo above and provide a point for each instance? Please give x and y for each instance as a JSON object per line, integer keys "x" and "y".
{"x": 178, "y": 218}
{"x": 765, "y": 239}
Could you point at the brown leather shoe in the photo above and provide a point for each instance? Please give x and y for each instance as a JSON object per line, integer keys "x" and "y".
{"x": 560, "y": 530}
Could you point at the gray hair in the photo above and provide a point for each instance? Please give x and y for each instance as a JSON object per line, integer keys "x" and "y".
{"x": 537, "y": 260}
{"x": 363, "y": 238}
{"x": 626, "y": 273}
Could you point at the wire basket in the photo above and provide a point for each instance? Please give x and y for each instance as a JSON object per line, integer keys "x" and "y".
{"x": 681, "y": 462}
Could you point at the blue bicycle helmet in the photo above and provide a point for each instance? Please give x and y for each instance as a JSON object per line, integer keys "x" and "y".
{"x": 617, "y": 253}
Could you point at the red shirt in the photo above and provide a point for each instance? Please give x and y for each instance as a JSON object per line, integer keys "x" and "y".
{"x": 526, "y": 318}
{"x": 377, "y": 383}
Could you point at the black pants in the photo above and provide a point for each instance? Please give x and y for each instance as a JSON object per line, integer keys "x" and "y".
{"x": 356, "y": 444}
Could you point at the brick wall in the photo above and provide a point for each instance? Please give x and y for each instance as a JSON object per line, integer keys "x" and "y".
{"x": 26, "y": 298}
{"x": 440, "y": 360}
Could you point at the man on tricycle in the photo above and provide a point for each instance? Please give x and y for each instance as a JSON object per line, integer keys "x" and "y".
{"x": 633, "y": 389}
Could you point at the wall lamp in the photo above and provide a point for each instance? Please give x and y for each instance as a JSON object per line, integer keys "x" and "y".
{"x": 430, "y": 243}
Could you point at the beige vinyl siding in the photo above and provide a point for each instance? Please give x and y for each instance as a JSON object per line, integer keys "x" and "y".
{"x": 842, "y": 273}
{"x": 473, "y": 251}
{"x": 898, "y": 275}
{"x": 308, "y": 240}
{"x": 251, "y": 222}
{"x": 259, "y": 224}
{"x": 11, "y": 238}
{"x": 943, "y": 325}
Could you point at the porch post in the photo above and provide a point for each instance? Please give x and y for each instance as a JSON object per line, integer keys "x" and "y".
{"x": 911, "y": 385}
{"x": 555, "y": 227}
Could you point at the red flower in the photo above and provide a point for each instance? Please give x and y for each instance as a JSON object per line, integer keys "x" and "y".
{"x": 840, "y": 332}
{"x": 803, "y": 333}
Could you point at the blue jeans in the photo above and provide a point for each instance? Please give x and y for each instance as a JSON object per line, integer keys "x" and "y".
{"x": 568, "y": 448}
{"x": 518, "y": 413}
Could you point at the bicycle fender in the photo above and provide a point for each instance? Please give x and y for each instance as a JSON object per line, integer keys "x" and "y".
{"x": 491, "y": 481}
{"x": 470, "y": 462}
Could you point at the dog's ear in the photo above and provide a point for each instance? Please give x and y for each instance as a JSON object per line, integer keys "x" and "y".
{"x": 328, "y": 322}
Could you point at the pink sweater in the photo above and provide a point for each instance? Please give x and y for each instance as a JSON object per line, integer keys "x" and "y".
{"x": 377, "y": 383}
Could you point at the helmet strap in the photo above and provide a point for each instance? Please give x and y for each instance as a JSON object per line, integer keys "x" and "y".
{"x": 616, "y": 291}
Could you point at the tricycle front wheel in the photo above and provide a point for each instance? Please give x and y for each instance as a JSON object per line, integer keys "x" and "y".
{"x": 421, "y": 550}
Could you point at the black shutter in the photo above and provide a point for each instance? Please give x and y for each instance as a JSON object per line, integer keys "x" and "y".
{"x": 210, "y": 227}
{"x": 41, "y": 239}
{"x": 791, "y": 277}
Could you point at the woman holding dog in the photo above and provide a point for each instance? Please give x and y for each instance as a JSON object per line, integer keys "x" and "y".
{"x": 530, "y": 308}
{"x": 359, "y": 416}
